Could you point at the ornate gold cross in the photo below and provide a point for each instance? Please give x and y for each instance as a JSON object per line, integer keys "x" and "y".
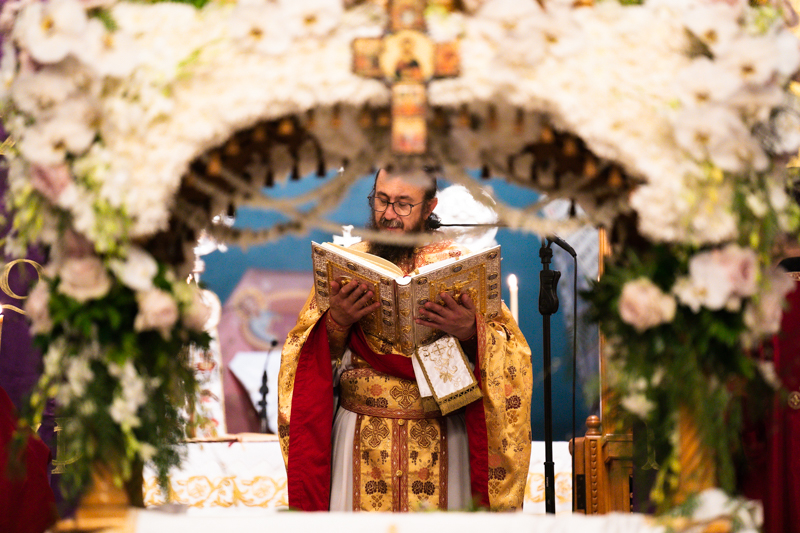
{"x": 406, "y": 58}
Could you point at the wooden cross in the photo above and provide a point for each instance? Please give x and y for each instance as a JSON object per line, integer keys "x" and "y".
{"x": 406, "y": 58}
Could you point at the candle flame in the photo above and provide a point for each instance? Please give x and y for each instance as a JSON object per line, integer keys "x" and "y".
{"x": 512, "y": 281}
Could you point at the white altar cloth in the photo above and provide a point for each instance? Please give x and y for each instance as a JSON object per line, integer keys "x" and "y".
{"x": 250, "y": 519}
{"x": 247, "y": 471}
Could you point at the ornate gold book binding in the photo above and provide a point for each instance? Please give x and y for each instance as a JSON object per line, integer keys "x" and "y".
{"x": 476, "y": 274}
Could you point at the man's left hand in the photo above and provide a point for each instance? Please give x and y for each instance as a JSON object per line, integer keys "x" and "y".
{"x": 456, "y": 319}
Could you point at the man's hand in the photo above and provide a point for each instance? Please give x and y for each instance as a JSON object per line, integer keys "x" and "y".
{"x": 456, "y": 319}
{"x": 351, "y": 303}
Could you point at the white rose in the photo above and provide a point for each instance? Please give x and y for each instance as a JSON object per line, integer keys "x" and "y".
{"x": 763, "y": 315}
{"x": 137, "y": 270}
{"x": 643, "y": 305}
{"x": 637, "y": 404}
{"x": 84, "y": 278}
{"x": 197, "y": 312}
{"x": 157, "y": 310}
{"x": 36, "y": 306}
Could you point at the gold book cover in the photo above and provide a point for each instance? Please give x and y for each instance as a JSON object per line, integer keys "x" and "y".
{"x": 476, "y": 274}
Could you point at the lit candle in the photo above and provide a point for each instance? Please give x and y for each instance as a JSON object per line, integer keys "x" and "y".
{"x": 513, "y": 289}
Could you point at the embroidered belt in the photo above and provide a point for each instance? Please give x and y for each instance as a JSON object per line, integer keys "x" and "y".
{"x": 368, "y": 392}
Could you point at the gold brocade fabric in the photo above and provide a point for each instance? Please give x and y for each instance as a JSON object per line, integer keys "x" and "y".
{"x": 400, "y": 451}
{"x": 400, "y": 462}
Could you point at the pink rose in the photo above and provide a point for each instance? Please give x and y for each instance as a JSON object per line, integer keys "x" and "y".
{"x": 741, "y": 267}
{"x": 157, "y": 310}
{"x": 84, "y": 278}
{"x": 51, "y": 180}
{"x": 36, "y": 306}
{"x": 643, "y": 305}
{"x": 724, "y": 275}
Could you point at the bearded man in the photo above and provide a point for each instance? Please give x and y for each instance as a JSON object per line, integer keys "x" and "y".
{"x": 386, "y": 451}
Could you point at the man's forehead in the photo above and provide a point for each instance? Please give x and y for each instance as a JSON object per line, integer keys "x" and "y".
{"x": 419, "y": 181}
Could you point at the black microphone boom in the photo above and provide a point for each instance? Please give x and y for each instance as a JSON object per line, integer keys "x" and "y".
{"x": 555, "y": 239}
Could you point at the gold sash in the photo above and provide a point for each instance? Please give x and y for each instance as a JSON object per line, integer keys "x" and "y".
{"x": 367, "y": 392}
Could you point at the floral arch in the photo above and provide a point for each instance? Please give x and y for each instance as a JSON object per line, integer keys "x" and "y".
{"x": 131, "y": 125}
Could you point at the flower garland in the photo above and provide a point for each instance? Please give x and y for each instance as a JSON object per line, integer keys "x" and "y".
{"x": 109, "y": 103}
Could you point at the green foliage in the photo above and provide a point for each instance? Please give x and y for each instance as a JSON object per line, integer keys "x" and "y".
{"x": 102, "y": 332}
{"x": 196, "y": 3}
{"x": 695, "y": 361}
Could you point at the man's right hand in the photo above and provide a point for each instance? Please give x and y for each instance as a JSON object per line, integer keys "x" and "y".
{"x": 351, "y": 303}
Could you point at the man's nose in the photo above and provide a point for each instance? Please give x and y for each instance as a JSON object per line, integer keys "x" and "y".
{"x": 390, "y": 213}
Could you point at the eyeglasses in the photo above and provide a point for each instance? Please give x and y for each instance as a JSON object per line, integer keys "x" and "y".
{"x": 401, "y": 208}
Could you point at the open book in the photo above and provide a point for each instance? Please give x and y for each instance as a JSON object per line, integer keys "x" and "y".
{"x": 477, "y": 274}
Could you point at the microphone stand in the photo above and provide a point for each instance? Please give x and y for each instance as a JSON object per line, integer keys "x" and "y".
{"x": 548, "y": 305}
{"x": 264, "y": 390}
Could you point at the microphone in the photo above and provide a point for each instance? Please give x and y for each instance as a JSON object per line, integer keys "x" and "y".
{"x": 264, "y": 390}
{"x": 562, "y": 244}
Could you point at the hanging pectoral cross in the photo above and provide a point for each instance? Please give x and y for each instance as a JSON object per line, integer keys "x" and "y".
{"x": 407, "y": 59}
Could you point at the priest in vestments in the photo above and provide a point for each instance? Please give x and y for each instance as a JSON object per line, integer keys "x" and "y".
{"x": 388, "y": 448}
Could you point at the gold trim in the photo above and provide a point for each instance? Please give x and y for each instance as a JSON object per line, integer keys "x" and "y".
{"x": 443, "y": 459}
{"x": 794, "y": 400}
{"x": 357, "y": 465}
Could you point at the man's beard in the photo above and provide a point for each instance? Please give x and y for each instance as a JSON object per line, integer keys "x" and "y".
{"x": 395, "y": 253}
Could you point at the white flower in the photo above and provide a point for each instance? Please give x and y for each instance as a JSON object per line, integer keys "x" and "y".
{"x": 637, "y": 404}
{"x": 108, "y": 53}
{"x": 146, "y": 451}
{"x": 643, "y": 305}
{"x": 704, "y": 81}
{"x": 768, "y": 373}
{"x": 317, "y": 17}
{"x": 78, "y": 375}
{"x": 717, "y": 134}
{"x": 714, "y": 24}
{"x": 753, "y": 59}
{"x": 763, "y": 315}
{"x": 157, "y": 310}
{"x": 133, "y": 394}
{"x": 756, "y": 204}
{"x": 719, "y": 278}
{"x": 70, "y": 130}
{"x": 51, "y": 30}
{"x": 36, "y": 306}
{"x": 8, "y": 67}
{"x": 53, "y": 359}
{"x": 84, "y": 278}
{"x": 260, "y": 27}
{"x": 688, "y": 293}
{"x": 137, "y": 270}
{"x": 38, "y": 92}
{"x": 787, "y": 53}
{"x": 197, "y": 312}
